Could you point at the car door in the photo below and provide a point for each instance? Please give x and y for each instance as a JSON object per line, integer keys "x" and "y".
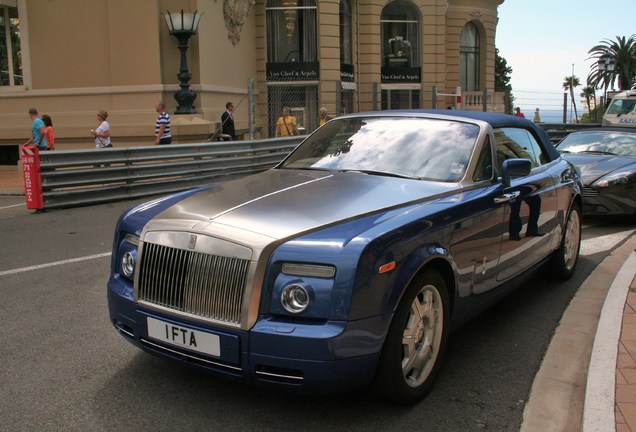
{"x": 531, "y": 216}
{"x": 477, "y": 233}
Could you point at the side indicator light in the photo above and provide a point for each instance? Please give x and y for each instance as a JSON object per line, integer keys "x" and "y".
{"x": 387, "y": 267}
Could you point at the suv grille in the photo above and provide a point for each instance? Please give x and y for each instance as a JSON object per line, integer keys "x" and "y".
{"x": 194, "y": 283}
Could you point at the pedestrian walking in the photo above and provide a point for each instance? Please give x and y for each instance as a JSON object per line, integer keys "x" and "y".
{"x": 102, "y": 132}
{"x": 37, "y": 131}
{"x": 227, "y": 121}
{"x": 286, "y": 124}
{"x": 162, "y": 125}
{"x": 324, "y": 118}
{"x": 49, "y": 134}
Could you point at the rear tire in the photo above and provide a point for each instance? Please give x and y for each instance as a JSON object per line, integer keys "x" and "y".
{"x": 416, "y": 341}
{"x": 565, "y": 258}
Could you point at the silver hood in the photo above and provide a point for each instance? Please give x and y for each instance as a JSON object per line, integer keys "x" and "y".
{"x": 281, "y": 203}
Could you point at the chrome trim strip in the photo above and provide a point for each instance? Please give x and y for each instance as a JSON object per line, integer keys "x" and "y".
{"x": 269, "y": 374}
{"x": 126, "y": 332}
{"x": 146, "y": 341}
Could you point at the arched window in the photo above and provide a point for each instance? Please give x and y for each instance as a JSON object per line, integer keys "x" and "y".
{"x": 400, "y": 34}
{"x": 291, "y": 31}
{"x": 346, "y": 38}
{"x": 469, "y": 58}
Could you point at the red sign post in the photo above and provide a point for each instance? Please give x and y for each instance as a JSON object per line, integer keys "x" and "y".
{"x": 32, "y": 180}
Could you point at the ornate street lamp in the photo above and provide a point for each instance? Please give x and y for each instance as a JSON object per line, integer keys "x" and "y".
{"x": 606, "y": 63}
{"x": 183, "y": 26}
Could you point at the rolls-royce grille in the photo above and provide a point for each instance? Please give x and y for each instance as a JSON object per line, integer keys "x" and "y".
{"x": 589, "y": 192}
{"x": 204, "y": 285}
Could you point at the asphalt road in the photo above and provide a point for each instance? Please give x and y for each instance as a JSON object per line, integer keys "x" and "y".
{"x": 64, "y": 368}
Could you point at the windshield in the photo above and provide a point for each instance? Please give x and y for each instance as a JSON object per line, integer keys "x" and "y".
{"x": 411, "y": 147}
{"x": 617, "y": 143}
{"x": 621, "y": 106}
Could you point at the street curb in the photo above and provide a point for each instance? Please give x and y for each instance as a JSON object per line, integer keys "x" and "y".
{"x": 557, "y": 397}
{"x": 600, "y": 395}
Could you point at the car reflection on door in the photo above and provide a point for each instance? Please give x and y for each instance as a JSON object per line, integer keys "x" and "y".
{"x": 530, "y": 221}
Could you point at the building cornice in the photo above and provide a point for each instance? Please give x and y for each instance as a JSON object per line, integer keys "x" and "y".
{"x": 23, "y": 92}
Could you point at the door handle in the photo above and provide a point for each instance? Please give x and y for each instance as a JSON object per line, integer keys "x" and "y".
{"x": 509, "y": 197}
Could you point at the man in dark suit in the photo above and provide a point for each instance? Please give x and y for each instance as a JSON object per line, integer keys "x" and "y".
{"x": 227, "y": 121}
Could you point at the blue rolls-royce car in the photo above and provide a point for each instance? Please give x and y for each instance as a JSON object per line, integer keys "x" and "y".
{"x": 347, "y": 264}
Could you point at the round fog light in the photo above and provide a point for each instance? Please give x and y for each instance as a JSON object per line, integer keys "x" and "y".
{"x": 295, "y": 298}
{"x": 128, "y": 264}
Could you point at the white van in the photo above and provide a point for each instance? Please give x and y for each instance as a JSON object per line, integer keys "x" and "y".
{"x": 621, "y": 110}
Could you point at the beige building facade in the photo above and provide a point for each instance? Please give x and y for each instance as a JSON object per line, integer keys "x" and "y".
{"x": 72, "y": 58}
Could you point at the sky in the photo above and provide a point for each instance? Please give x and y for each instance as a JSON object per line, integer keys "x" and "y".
{"x": 545, "y": 40}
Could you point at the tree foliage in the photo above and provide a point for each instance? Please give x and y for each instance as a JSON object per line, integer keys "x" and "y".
{"x": 502, "y": 80}
{"x": 569, "y": 84}
{"x": 622, "y": 54}
{"x": 589, "y": 93}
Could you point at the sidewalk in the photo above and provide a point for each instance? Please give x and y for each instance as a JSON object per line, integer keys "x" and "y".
{"x": 604, "y": 382}
{"x": 11, "y": 181}
{"x": 587, "y": 379}
{"x": 626, "y": 368}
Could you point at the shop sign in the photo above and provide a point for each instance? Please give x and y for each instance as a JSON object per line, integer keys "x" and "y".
{"x": 293, "y": 71}
{"x": 401, "y": 75}
{"x": 346, "y": 73}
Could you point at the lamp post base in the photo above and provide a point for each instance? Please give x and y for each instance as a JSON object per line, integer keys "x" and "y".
{"x": 185, "y": 99}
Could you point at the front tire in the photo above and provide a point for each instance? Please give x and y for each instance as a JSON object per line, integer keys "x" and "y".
{"x": 566, "y": 256}
{"x": 416, "y": 340}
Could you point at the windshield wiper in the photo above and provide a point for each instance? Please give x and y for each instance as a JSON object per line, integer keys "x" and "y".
{"x": 382, "y": 173}
{"x": 305, "y": 168}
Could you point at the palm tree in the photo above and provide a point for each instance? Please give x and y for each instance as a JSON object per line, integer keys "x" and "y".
{"x": 622, "y": 53}
{"x": 570, "y": 83}
{"x": 589, "y": 93}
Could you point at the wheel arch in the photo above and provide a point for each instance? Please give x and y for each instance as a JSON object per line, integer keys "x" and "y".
{"x": 442, "y": 264}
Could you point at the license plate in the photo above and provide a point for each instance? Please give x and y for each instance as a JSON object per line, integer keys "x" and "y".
{"x": 184, "y": 337}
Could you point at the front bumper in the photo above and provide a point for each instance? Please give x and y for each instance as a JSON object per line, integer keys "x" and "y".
{"x": 310, "y": 357}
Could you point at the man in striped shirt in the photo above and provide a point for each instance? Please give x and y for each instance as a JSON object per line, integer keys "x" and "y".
{"x": 162, "y": 125}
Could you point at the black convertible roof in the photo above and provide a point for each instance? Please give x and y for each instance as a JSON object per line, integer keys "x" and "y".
{"x": 496, "y": 120}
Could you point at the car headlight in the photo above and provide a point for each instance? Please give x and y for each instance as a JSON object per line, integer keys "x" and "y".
{"x": 303, "y": 290}
{"x": 621, "y": 177}
{"x": 128, "y": 256}
{"x": 128, "y": 264}
{"x": 294, "y": 298}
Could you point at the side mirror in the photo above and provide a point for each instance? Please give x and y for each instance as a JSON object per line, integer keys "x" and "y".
{"x": 514, "y": 168}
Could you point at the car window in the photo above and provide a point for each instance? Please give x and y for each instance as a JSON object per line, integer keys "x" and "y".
{"x": 622, "y": 106}
{"x": 611, "y": 142}
{"x": 483, "y": 170}
{"x": 517, "y": 143}
{"x": 430, "y": 149}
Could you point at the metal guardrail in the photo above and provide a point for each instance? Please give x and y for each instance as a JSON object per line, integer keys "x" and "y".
{"x": 558, "y": 131}
{"x": 82, "y": 177}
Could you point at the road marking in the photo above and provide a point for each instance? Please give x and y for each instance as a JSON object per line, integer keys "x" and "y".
{"x": 603, "y": 243}
{"x": 588, "y": 247}
{"x": 53, "y": 264}
{"x": 14, "y": 205}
